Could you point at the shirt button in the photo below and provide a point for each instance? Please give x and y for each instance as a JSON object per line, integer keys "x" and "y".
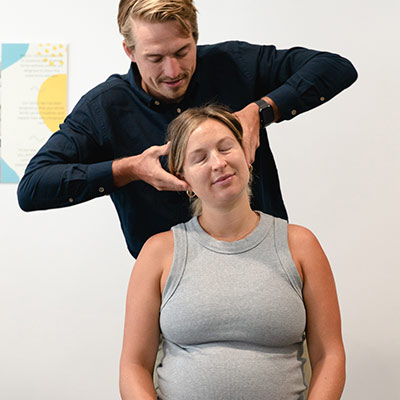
{"x": 178, "y": 110}
{"x": 293, "y": 112}
{"x": 71, "y": 200}
{"x": 322, "y": 98}
{"x": 101, "y": 189}
{"x": 157, "y": 103}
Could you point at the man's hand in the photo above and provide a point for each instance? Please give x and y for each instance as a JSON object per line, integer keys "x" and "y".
{"x": 250, "y": 121}
{"x": 147, "y": 167}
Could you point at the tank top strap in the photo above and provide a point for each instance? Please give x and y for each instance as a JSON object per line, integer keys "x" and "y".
{"x": 285, "y": 257}
{"x": 178, "y": 262}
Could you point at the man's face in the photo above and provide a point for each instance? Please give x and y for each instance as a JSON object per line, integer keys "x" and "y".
{"x": 165, "y": 56}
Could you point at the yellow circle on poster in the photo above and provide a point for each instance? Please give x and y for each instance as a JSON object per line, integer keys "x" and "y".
{"x": 52, "y": 101}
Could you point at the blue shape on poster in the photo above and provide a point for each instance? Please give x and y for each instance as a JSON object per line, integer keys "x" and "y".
{"x": 11, "y": 53}
{"x": 8, "y": 175}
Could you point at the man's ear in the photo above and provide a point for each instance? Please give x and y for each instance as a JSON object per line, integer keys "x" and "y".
{"x": 128, "y": 51}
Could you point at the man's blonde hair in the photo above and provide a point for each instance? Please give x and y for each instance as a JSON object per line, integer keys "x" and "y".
{"x": 180, "y": 129}
{"x": 182, "y": 11}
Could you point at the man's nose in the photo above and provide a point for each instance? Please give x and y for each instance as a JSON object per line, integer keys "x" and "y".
{"x": 172, "y": 68}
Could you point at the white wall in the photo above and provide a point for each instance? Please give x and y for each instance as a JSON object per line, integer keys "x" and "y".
{"x": 63, "y": 273}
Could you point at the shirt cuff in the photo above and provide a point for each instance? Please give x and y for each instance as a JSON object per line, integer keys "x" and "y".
{"x": 287, "y": 101}
{"x": 100, "y": 178}
{"x": 292, "y": 102}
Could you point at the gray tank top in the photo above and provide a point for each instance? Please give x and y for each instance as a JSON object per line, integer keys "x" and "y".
{"x": 232, "y": 317}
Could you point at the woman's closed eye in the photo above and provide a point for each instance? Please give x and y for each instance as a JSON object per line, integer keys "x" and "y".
{"x": 198, "y": 158}
{"x": 225, "y": 145}
{"x": 225, "y": 149}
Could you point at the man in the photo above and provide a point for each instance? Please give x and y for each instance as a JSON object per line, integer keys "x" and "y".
{"x": 113, "y": 141}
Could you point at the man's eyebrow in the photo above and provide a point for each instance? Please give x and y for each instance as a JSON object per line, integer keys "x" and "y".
{"x": 186, "y": 46}
{"x": 153, "y": 55}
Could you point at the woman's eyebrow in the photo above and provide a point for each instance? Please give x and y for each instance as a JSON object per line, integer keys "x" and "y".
{"x": 200, "y": 149}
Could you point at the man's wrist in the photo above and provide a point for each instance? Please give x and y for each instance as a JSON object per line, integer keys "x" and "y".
{"x": 265, "y": 112}
{"x": 122, "y": 171}
{"x": 277, "y": 114}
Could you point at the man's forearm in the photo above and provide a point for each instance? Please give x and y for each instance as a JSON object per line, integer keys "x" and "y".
{"x": 123, "y": 171}
{"x": 61, "y": 185}
{"x": 306, "y": 78}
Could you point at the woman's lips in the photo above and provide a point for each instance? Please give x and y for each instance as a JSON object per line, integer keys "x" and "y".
{"x": 223, "y": 179}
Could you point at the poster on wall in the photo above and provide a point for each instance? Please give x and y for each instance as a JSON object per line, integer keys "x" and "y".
{"x": 33, "y": 101}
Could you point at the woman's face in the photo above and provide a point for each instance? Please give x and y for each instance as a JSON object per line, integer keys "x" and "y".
{"x": 215, "y": 166}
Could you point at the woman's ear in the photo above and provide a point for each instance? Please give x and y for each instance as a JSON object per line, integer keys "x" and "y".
{"x": 180, "y": 176}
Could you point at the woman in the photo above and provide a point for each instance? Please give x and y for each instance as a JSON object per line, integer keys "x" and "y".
{"x": 234, "y": 292}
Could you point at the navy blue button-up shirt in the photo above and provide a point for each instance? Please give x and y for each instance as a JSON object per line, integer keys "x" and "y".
{"x": 118, "y": 119}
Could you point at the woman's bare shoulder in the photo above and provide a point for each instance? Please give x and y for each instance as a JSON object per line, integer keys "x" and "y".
{"x": 300, "y": 236}
{"x": 305, "y": 248}
{"x": 157, "y": 252}
{"x": 160, "y": 242}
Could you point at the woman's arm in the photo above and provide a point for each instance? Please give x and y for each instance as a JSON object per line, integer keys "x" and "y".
{"x": 142, "y": 332}
{"x": 324, "y": 337}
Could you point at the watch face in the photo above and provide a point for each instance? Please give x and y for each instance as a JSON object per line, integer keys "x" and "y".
{"x": 266, "y": 115}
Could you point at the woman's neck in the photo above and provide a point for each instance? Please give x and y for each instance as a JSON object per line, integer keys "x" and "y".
{"x": 230, "y": 223}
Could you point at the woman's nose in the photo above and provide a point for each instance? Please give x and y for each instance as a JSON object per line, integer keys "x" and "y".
{"x": 218, "y": 161}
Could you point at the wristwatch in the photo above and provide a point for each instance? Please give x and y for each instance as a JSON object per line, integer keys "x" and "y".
{"x": 266, "y": 113}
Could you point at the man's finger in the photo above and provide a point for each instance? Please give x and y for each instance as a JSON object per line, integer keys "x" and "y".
{"x": 249, "y": 155}
{"x": 249, "y": 151}
{"x": 168, "y": 181}
{"x": 162, "y": 150}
